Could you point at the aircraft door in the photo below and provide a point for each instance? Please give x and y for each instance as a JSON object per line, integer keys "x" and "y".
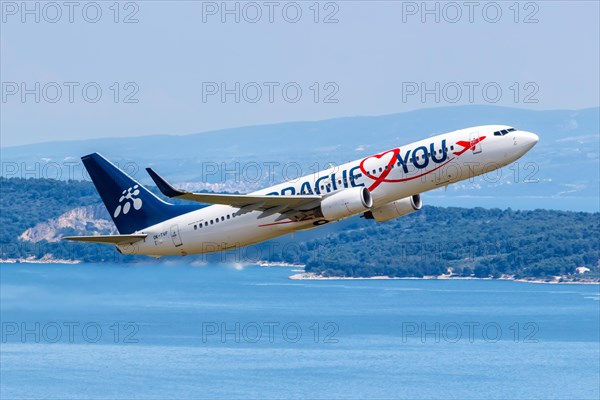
{"x": 475, "y": 143}
{"x": 175, "y": 235}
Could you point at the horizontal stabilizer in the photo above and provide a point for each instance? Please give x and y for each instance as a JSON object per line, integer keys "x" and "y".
{"x": 108, "y": 239}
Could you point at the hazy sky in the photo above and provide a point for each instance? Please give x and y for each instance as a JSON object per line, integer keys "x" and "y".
{"x": 165, "y": 71}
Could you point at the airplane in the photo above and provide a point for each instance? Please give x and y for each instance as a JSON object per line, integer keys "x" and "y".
{"x": 380, "y": 187}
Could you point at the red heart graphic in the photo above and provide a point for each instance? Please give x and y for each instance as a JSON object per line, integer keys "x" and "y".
{"x": 385, "y": 172}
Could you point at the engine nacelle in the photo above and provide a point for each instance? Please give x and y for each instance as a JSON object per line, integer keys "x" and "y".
{"x": 395, "y": 209}
{"x": 346, "y": 203}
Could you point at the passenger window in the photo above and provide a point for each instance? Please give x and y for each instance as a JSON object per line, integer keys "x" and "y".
{"x": 227, "y": 216}
{"x": 206, "y": 223}
{"x": 195, "y": 227}
{"x": 211, "y": 221}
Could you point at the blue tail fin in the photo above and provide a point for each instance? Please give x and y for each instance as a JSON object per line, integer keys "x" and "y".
{"x": 131, "y": 206}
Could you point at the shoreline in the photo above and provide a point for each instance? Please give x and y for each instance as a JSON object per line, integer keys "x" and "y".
{"x": 279, "y": 264}
{"x": 309, "y": 276}
{"x": 38, "y": 261}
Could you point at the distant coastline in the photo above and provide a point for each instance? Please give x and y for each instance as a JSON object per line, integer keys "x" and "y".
{"x": 556, "y": 280}
{"x": 311, "y": 276}
{"x": 279, "y": 264}
{"x": 43, "y": 260}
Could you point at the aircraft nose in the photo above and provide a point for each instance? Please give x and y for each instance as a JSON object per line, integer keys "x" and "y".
{"x": 528, "y": 139}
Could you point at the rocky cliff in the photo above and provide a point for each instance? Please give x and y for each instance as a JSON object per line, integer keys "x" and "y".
{"x": 90, "y": 220}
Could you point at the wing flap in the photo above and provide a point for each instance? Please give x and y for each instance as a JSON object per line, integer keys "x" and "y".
{"x": 108, "y": 239}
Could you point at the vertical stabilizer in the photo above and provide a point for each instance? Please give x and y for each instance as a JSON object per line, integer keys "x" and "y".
{"x": 131, "y": 206}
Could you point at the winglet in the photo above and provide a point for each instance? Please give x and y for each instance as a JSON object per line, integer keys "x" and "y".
{"x": 164, "y": 186}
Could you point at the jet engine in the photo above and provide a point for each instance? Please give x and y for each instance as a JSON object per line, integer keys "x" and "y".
{"x": 395, "y": 209}
{"x": 346, "y": 203}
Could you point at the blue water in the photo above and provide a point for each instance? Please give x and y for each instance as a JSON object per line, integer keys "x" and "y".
{"x": 178, "y": 331}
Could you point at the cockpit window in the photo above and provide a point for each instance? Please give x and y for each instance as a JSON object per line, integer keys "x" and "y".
{"x": 504, "y": 132}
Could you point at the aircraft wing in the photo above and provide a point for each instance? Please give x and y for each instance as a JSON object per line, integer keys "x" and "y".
{"x": 109, "y": 239}
{"x": 288, "y": 205}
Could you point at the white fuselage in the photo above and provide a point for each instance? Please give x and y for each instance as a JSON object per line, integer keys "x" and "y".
{"x": 391, "y": 175}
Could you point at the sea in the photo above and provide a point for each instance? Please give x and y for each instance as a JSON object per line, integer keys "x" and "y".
{"x": 180, "y": 331}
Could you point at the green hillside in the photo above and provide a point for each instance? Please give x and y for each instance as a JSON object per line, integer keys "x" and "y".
{"x": 472, "y": 242}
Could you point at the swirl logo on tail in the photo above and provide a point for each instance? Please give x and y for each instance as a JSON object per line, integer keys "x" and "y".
{"x": 128, "y": 199}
